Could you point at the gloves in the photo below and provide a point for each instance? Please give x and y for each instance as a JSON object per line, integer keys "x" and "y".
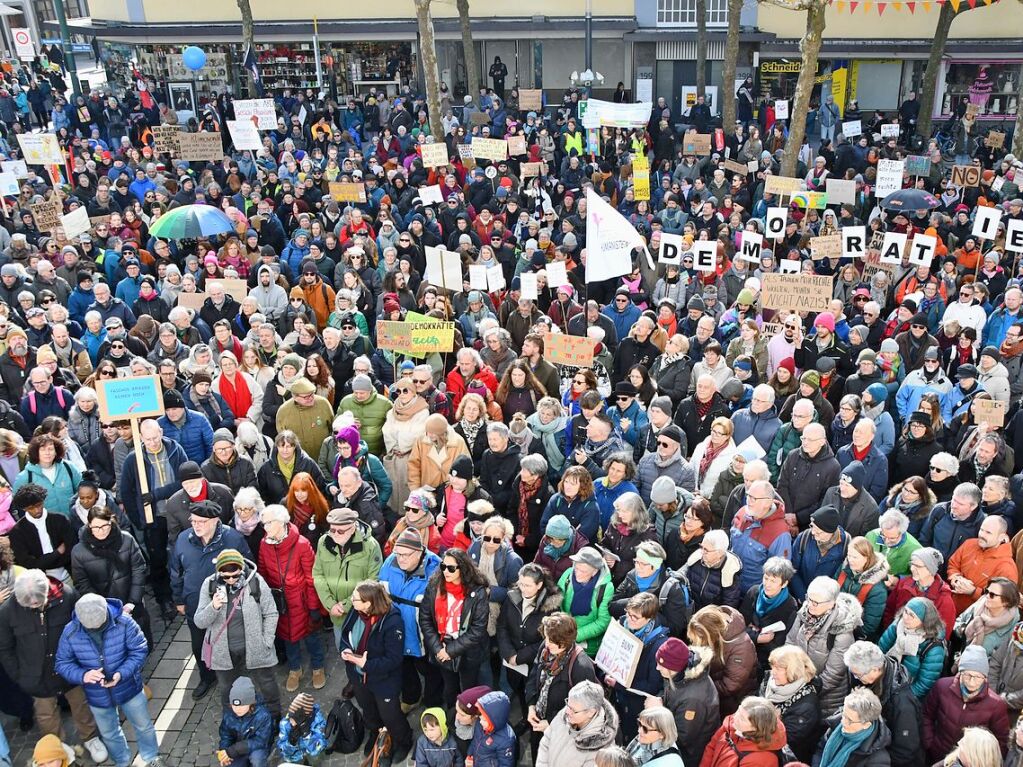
{"x": 148, "y": 500}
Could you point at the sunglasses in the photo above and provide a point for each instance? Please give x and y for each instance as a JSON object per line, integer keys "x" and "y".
{"x": 231, "y": 576}
{"x": 449, "y": 568}
{"x": 116, "y": 346}
{"x": 580, "y": 383}
{"x": 918, "y": 325}
{"x": 663, "y": 444}
{"x": 490, "y": 539}
{"x": 623, "y": 399}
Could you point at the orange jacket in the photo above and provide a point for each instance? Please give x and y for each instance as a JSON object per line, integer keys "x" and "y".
{"x": 320, "y": 297}
{"x": 980, "y": 566}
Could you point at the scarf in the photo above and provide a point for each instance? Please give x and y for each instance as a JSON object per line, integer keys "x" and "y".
{"x": 246, "y": 527}
{"x": 781, "y": 693}
{"x": 981, "y": 623}
{"x": 487, "y": 566}
{"x": 670, "y": 359}
{"x": 550, "y": 667}
{"x": 556, "y": 552}
{"x": 201, "y": 402}
{"x": 405, "y": 412}
{"x": 454, "y": 592}
{"x": 287, "y": 469}
{"x": 471, "y": 430}
{"x": 526, "y": 494}
{"x": 582, "y": 595}
{"x": 708, "y": 457}
{"x": 965, "y": 353}
{"x": 702, "y": 408}
{"x": 40, "y": 525}
{"x": 907, "y": 642}
{"x": 765, "y": 603}
{"x": 812, "y": 623}
{"x": 840, "y": 745}
{"x": 874, "y": 412}
{"x": 548, "y": 434}
{"x": 1009, "y": 349}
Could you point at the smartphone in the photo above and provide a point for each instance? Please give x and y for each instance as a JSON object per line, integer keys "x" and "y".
{"x": 107, "y": 679}
{"x": 222, "y": 591}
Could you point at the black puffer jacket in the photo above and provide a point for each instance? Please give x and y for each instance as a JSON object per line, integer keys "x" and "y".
{"x": 28, "y": 641}
{"x": 801, "y": 715}
{"x": 113, "y": 568}
{"x": 692, "y": 699}
{"x": 178, "y": 505}
{"x": 522, "y": 637}
{"x": 670, "y": 588}
{"x": 469, "y": 646}
{"x": 271, "y": 483}
{"x": 241, "y": 472}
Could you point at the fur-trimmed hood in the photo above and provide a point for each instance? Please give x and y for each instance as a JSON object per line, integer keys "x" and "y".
{"x": 704, "y": 656}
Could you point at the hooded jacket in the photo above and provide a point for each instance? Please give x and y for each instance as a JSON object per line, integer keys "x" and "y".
{"x": 384, "y": 652}
{"x": 826, "y": 647}
{"x": 755, "y": 540}
{"x": 996, "y": 382}
{"x": 273, "y": 299}
{"x": 520, "y": 636}
{"x": 564, "y": 746}
{"x": 258, "y": 616}
{"x": 714, "y": 585}
{"x": 191, "y": 562}
{"x": 946, "y": 715}
{"x": 594, "y": 623}
{"x": 493, "y": 741}
{"x": 443, "y": 754}
{"x": 946, "y": 534}
{"x": 870, "y": 591}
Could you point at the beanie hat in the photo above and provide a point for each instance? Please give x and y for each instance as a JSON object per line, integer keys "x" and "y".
{"x": 889, "y": 345}
{"x": 243, "y": 692}
{"x": 296, "y": 292}
{"x": 920, "y": 417}
{"x": 662, "y": 491}
{"x": 662, "y": 403}
{"x": 293, "y": 360}
{"x": 929, "y": 558}
{"x": 462, "y": 467}
{"x": 362, "y": 382}
{"x": 867, "y": 355}
{"x": 974, "y": 658}
{"x": 49, "y": 749}
{"x": 992, "y": 352}
{"x": 745, "y": 297}
{"x": 918, "y": 606}
{"x": 826, "y": 518}
{"x": 201, "y": 376}
{"x": 910, "y": 304}
{"x": 420, "y": 499}
{"x": 468, "y": 699}
{"x": 302, "y": 705}
{"x": 391, "y": 303}
{"x": 171, "y": 397}
{"x": 91, "y": 611}
{"x": 189, "y": 470}
{"x": 878, "y": 393}
{"x": 559, "y": 527}
{"x": 672, "y": 432}
{"x": 696, "y": 303}
{"x": 789, "y": 364}
{"x": 825, "y": 320}
{"x": 854, "y": 474}
{"x": 811, "y": 378}
{"x": 861, "y": 330}
{"x": 222, "y": 435}
{"x": 673, "y": 655}
{"x": 919, "y": 319}
{"x": 732, "y": 389}
{"x": 229, "y": 559}
{"x": 410, "y": 539}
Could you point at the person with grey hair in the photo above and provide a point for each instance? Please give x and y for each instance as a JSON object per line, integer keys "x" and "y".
{"x": 759, "y": 420}
{"x": 787, "y": 438}
{"x": 103, "y": 650}
{"x": 30, "y": 630}
{"x": 807, "y": 474}
{"x": 586, "y": 724}
{"x": 628, "y": 527}
{"x": 500, "y": 465}
{"x": 469, "y": 367}
{"x": 952, "y": 523}
{"x": 713, "y": 573}
{"x": 767, "y": 604}
{"x": 857, "y": 735}
{"x": 869, "y": 668}
{"x": 891, "y": 538}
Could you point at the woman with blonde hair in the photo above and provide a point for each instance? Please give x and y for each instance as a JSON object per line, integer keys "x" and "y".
{"x": 404, "y": 424}
{"x": 977, "y": 748}
{"x": 655, "y": 742}
{"x": 253, "y": 365}
{"x": 792, "y": 686}
{"x": 733, "y": 667}
{"x": 712, "y": 457}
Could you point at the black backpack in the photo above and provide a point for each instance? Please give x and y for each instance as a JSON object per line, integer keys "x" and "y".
{"x": 345, "y": 730}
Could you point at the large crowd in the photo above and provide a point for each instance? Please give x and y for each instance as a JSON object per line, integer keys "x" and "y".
{"x": 810, "y": 522}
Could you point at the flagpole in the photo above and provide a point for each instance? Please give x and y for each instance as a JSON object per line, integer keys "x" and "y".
{"x": 316, "y": 52}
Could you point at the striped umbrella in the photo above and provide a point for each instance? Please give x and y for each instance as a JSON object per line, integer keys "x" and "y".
{"x": 192, "y": 222}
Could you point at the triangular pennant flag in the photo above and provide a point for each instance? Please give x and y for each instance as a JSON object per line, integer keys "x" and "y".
{"x": 897, "y": 6}
{"x": 973, "y": 3}
{"x": 881, "y": 8}
{"x": 852, "y": 6}
{"x": 912, "y": 7}
{"x": 840, "y": 6}
{"x": 955, "y": 4}
{"x": 868, "y": 7}
{"x": 927, "y": 7}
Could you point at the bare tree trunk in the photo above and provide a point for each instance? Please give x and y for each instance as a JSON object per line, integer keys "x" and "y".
{"x": 810, "y": 47}
{"x": 701, "y": 47}
{"x": 945, "y": 19}
{"x": 472, "y": 70}
{"x": 731, "y": 61}
{"x": 248, "y": 40}
{"x": 1017, "y": 134}
{"x": 428, "y": 57}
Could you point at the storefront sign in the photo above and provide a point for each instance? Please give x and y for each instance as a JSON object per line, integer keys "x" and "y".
{"x": 434, "y": 155}
{"x": 799, "y": 292}
{"x": 347, "y": 192}
{"x": 965, "y": 175}
{"x": 495, "y": 149}
{"x": 261, "y": 111}
{"x": 199, "y": 147}
{"x": 563, "y": 349}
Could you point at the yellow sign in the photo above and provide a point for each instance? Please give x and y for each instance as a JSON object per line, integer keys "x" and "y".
{"x": 641, "y": 177}
{"x": 434, "y": 154}
{"x": 782, "y": 185}
{"x": 428, "y": 335}
{"x": 839, "y": 80}
{"x": 40, "y": 149}
{"x": 346, "y": 192}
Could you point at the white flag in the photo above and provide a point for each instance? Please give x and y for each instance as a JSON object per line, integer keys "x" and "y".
{"x": 610, "y": 239}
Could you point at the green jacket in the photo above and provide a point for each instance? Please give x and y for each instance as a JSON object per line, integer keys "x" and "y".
{"x": 335, "y": 578}
{"x": 591, "y": 627}
{"x": 785, "y": 441}
{"x": 370, "y": 415}
{"x": 898, "y": 557}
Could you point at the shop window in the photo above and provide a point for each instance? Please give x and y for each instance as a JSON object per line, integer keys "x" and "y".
{"x": 992, "y": 86}
{"x": 682, "y": 13}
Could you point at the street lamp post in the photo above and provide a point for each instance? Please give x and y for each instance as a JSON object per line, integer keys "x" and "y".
{"x": 65, "y": 43}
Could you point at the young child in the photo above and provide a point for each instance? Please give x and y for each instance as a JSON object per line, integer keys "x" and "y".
{"x": 246, "y": 731}
{"x": 493, "y": 740}
{"x": 435, "y": 747}
{"x": 466, "y": 714}
{"x": 302, "y": 736}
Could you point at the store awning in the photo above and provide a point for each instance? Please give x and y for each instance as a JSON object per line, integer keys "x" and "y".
{"x": 914, "y": 49}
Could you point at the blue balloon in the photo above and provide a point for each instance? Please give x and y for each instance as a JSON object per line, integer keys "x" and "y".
{"x": 194, "y": 58}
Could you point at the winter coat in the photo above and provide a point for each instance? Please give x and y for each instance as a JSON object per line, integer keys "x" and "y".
{"x": 28, "y": 551}
{"x": 784, "y": 612}
{"x": 335, "y": 575}
{"x": 191, "y": 562}
{"x": 875, "y": 466}
{"x": 583, "y": 515}
{"x": 195, "y": 435}
{"x": 810, "y": 563}
{"x": 946, "y": 715}
{"x": 827, "y": 646}
{"x": 692, "y": 699}
{"x": 519, "y": 637}
{"x": 996, "y": 382}
{"x": 288, "y": 565}
{"x": 370, "y": 415}
{"x": 177, "y": 509}
{"x": 243, "y": 735}
{"x": 1006, "y": 675}
{"x": 507, "y": 564}
{"x": 942, "y": 532}
{"x": 980, "y": 566}
{"x": 994, "y": 639}
{"x": 900, "y": 710}
{"x": 498, "y": 473}
{"x": 558, "y": 567}
{"x": 123, "y": 652}
{"x": 98, "y": 569}
{"x": 130, "y": 490}
{"x": 803, "y": 481}
{"x": 564, "y": 746}
{"x": 753, "y": 541}
{"x": 914, "y": 386}
{"x": 259, "y": 618}
{"x": 673, "y": 379}
{"x": 939, "y": 593}
{"x": 857, "y": 516}
{"x": 429, "y": 468}
{"x": 672, "y": 592}
{"x": 307, "y": 746}
{"x": 912, "y": 457}
{"x": 924, "y": 668}
{"x": 705, "y": 481}
{"x": 273, "y": 487}
{"x": 29, "y": 642}
{"x": 496, "y": 745}
{"x": 593, "y": 624}
{"x": 385, "y": 644}
{"x": 714, "y": 585}
{"x": 735, "y": 675}
{"x": 801, "y": 715}
{"x": 651, "y": 467}
{"x": 61, "y": 492}
{"x": 761, "y": 426}
{"x": 577, "y": 668}
{"x": 872, "y": 752}
{"x": 698, "y": 429}
{"x": 726, "y": 749}
{"x": 471, "y": 643}
{"x": 407, "y": 590}
{"x": 239, "y": 473}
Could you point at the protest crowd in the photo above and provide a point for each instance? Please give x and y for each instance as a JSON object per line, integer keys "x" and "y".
{"x": 696, "y": 508}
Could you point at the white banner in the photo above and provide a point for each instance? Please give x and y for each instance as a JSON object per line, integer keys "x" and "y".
{"x": 262, "y": 109}
{"x": 600, "y": 113}
{"x": 610, "y": 240}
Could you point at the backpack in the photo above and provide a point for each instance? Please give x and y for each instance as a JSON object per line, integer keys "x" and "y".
{"x": 345, "y": 729}
{"x": 32, "y": 399}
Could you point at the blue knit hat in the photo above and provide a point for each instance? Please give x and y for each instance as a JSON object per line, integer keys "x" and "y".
{"x": 878, "y": 392}
{"x": 559, "y": 527}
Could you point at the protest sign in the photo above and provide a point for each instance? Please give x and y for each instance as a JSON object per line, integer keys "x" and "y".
{"x": 166, "y": 139}
{"x": 527, "y": 286}
{"x": 494, "y": 149}
{"x": 530, "y": 100}
{"x": 892, "y": 247}
{"x": 465, "y": 151}
{"x": 750, "y": 246}
{"x": 671, "y": 249}
{"x": 985, "y": 222}
{"x": 816, "y": 200}
{"x": 889, "y": 130}
{"x": 443, "y": 269}
{"x": 1014, "y": 235}
{"x": 477, "y": 277}
{"x": 192, "y": 301}
{"x": 479, "y": 118}
{"x": 752, "y": 166}
{"x": 705, "y": 255}
{"x": 260, "y": 112}
{"x": 395, "y": 336}
{"x": 135, "y": 397}
{"x": 852, "y": 128}
{"x": 343, "y": 191}
{"x": 198, "y": 147}
{"x": 9, "y": 186}
{"x": 799, "y": 292}
{"x": 781, "y": 109}
{"x": 889, "y": 177}
{"x": 989, "y": 411}
{"x": 918, "y": 165}
{"x": 854, "y": 241}
{"x": 17, "y": 167}
{"x": 516, "y": 145}
{"x": 771, "y": 329}
{"x": 788, "y": 266}
{"x": 563, "y": 349}
{"x": 618, "y": 654}
{"x": 829, "y": 246}
{"x": 495, "y": 279}
{"x": 641, "y": 177}
{"x": 434, "y": 154}
{"x": 840, "y": 191}
{"x": 40, "y": 149}
{"x": 530, "y": 169}
{"x": 76, "y": 223}
{"x": 736, "y": 167}
{"x": 921, "y": 249}
{"x": 965, "y": 175}
{"x": 777, "y": 218}
{"x": 428, "y": 335}
{"x": 431, "y": 195}
{"x": 236, "y": 288}
{"x": 696, "y": 143}
{"x": 998, "y": 183}
{"x": 995, "y": 140}
{"x": 614, "y": 115}
{"x": 782, "y": 185}
{"x": 557, "y": 274}
{"x": 244, "y": 135}
{"x": 47, "y": 214}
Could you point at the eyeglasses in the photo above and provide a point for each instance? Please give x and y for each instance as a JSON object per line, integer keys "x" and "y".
{"x": 578, "y": 382}
{"x": 100, "y": 527}
{"x": 621, "y": 398}
{"x": 116, "y": 346}
{"x": 492, "y": 539}
{"x": 918, "y": 326}
{"x": 421, "y": 381}
{"x": 818, "y": 602}
{"x": 719, "y": 432}
{"x": 449, "y": 568}
{"x": 643, "y": 728}
{"x": 992, "y": 594}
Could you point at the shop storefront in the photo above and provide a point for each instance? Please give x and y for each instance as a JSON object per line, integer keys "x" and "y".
{"x": 990, "y": 84}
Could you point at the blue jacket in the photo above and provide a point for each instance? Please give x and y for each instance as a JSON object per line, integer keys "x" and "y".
{"x": 139, "y": 188}
{"x": 942, "y": 532}
{"x": 914, "y": 386}
{"x": 875, "y": 463}
{"x": 762, "y": 427}
{"x": 116, "y": 308}
{"x": 635, "y": 414}
{"x": 124, "y": 652}
{"x": 807, "y": 559}
{"x": 312, "y": 743}
{"x": 195, "y": 435}
{"x": 191, "y": 562}
{"x": 60, "y": 493}
{"x": 506, "y": 567}
{"x": 293, "y": 256}
{"x": 499, "y": 747}
{"x": 35, "y": 406}
{"x": 584, "y": 515}
{"x": 78, "y": 303}
{"x": 623, "y": 321}
{"x": 606, "y": 496}
{"x": 754, "y": 553}
{"x": 131, "y": 492}
{"x": 384, "y": 653}
{"x": 242, "y": 735}
{"x": 998, "y": 323}
{"x": 128, "y": 290}
{"x": 407, "y": 589}
{"x": 884, "y": 440}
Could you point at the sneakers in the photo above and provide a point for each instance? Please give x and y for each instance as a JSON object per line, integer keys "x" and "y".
{"x": 157, "y": 762}
{"x": 294, "y": 677}
{"x": 319, "y": 678}
{"x": 97, "y": 751}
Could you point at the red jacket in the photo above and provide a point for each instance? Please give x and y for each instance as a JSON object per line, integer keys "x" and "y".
{"x": 458, "y": 386}
{"x": 720, "y": 752}
{"x": 939, "y": 593}
{"x": 946, "y": 716}
{"x": 296, "y": 579}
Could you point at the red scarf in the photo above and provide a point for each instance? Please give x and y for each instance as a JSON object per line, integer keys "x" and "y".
{"x": 440, "y": 604}
{"x": 702, "y": 408}
{"x": 203, "y": 493}
{"x": 859, "y": 455}
{"x": 238, "y": 398}
{"x": 708, "y": 457}
{"x": 301, "y": 513}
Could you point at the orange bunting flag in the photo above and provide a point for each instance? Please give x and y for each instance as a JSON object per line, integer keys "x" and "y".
{"x": 927, "y": 7}
{"x": 955, "y": 4}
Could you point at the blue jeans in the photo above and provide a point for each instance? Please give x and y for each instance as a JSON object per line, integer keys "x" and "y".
{"x": 109, "y": 723}
{"x": 5, "y": 750}
{"x": 255, "y": 758}
{"x": 313, "y": 645}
